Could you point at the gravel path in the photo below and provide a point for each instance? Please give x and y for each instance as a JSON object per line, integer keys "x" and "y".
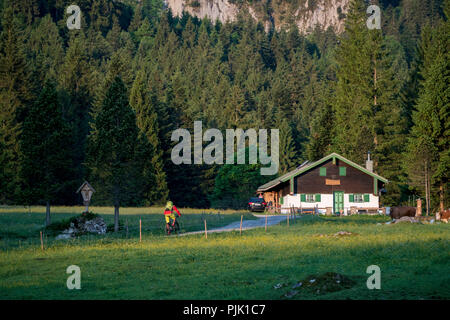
{"x": 246, "y": 224}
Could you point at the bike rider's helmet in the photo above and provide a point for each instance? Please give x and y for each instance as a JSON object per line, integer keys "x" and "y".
{"x": 169, "y": 205}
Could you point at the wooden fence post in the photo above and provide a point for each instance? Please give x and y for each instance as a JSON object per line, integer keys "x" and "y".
{"x": 140, "y": 230}
{"x": 295, "y": 214}
{"x": 240, "y": 229}
{"x": 289, "y": 215}
{"x": 42, "y": 241}
{"x": 206, "y": 230}
{"x": 266, "y": 221}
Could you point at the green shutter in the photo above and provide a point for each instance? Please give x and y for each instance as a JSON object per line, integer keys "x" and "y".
{"x": 317, "y": 197}
{"x": 292, "y": 185}
{"x": 342, "y": 171}
{"x": 323, "y": 172}
{"x": 281, "y": 200}
{"x": 351, "y": 198}
{"x": 366, "y": 198}
{"x": 303, "y": 197}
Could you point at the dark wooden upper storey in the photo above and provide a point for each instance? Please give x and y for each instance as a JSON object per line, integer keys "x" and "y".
{"x": 329, "y": 174}
{"x": 354, "y": 180}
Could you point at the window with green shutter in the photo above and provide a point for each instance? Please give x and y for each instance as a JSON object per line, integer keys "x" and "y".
{"x": 323, "y": 172}
{"x": 281, "y": 200}
{"x": 342, "y": 171}
{"x": 359, "y": 197}
{"x": 303, "y": 197}
{"x": 317, "y": 197}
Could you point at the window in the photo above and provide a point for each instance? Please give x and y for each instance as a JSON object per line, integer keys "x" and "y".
{"x": 342, "y": 171}
{"x": 310, "y": 197}
{"x": 359, "y": 197}
{"x": 323, "y": 172}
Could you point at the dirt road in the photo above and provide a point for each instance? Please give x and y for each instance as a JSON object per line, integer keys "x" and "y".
{"x": 246, "y": 224}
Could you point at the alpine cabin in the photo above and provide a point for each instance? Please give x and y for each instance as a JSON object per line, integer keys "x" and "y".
{"x": 332, "y": 184}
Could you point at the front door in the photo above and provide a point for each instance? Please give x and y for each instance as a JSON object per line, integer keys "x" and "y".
{"x": 338, "y": 201}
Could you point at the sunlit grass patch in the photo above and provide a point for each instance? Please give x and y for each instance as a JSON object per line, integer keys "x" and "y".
{"x": 412, "y": 259}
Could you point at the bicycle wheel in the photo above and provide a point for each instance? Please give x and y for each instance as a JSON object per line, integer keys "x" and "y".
{"x": 176, "y": 227}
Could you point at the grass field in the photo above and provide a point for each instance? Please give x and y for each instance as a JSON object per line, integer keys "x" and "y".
{"x": 414, "y": 259}
{"x": 20, "y": 226}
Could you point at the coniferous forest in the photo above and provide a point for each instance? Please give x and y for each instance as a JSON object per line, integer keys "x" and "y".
{"x": 100, "y": 103}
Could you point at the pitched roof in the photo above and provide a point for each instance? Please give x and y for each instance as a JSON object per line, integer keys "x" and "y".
{"x": 85, "y": 183}
{"x": 305, "y": 167}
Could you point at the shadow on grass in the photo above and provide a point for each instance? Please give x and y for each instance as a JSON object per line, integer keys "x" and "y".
{"x": 23, "y": 229}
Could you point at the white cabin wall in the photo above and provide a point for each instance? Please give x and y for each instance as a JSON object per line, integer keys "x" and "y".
{"x": 327, "y": 201}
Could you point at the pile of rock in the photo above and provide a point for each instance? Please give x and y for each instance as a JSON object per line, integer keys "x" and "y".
{"x": 82, "y": 226}
{"x": 317, "y": 284}
{"x": 343, "y": 233}
{"x": 406, "y": 219}
{"x": 338, "y": 234}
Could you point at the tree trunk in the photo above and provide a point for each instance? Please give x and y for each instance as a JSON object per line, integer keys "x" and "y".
{"x": 429, "y": 193}
{"x": 427, "y": 199}
{"x": 375, "y": 83}
{"x": 116, "y": 218}
{"x": 47, "y": 214}
{"x": 441, "y": 197}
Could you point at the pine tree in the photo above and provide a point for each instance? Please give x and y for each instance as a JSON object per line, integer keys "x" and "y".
{"x": 46, "y": 161}
{"x": 15, "y": 95}
{"x": 45, "y": 52}
{"x": 76, "y": 86}
{"x": 288, "y": 152}
{"x": 26, "y": 10}
{"x": 428, "y": 157}
{"x": 111, "y": 154}
{"x": 320, "y": 140}
{"x": 367, "y": 111}
{"x": 145, "y": 105}
{"x": 354, "y": 109}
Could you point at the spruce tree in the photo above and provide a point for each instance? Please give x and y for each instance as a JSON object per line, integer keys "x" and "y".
{"x": 46, "y": 161}
{"x": 288, "y": 152}
{"x": 428, "y": 157}
{"x": 145, "y": 105}
{"x": 76, "y": 85}
{"x": 367, "y": 111}
{"x": 15, "y": 96}
{"x": 111, "y": 154}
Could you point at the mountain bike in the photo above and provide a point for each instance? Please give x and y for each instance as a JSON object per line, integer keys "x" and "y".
{"x": 172, "y": 227}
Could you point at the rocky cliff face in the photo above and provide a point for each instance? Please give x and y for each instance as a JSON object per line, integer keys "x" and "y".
{"x": 306, "y": 14}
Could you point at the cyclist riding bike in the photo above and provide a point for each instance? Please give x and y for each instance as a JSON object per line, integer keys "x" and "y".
{"x": 169, "y": 215}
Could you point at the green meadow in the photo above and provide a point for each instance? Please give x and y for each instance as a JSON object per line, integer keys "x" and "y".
{"x": 413, "y": 258}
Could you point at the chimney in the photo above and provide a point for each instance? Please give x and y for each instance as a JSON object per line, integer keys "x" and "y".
{"x": 369, "y": 163}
